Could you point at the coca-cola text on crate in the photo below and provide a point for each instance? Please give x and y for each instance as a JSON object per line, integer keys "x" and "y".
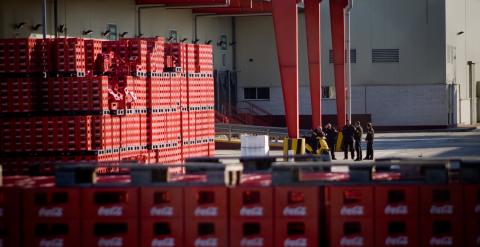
{"x": 205, "y": 201}
{"x": 296, "y": 201}
{"x": 110, "y": 202}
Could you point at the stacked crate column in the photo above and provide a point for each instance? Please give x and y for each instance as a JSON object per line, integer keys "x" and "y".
{"x": 349, "y": 215}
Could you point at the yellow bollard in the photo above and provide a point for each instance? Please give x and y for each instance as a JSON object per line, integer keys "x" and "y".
{"x": 339, "y": 146}
{"x": 297, "y": 145}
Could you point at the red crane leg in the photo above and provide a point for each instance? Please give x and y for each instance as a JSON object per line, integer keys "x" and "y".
{"x": 312, "y": 20}
{"x": 285, "y": 20}
{"x": 338, "y": 41}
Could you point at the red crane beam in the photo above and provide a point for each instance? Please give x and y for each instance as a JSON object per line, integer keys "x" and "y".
{"x": 285, "y": 20}
{"x": 337, "y": 23}
{"x": 312, "y": 20}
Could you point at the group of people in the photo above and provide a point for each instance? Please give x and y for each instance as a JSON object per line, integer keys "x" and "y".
{"x": 324, "y": 141}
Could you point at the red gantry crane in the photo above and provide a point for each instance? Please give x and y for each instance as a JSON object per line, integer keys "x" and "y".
{"x": 285, "y": 19}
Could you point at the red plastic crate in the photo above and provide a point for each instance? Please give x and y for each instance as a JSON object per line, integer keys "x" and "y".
{"x": 397, "y": 232}
{"x": 162, "y": 232}
{"x": 441, "y": 200}
{"x": 164, "y": 202}
{"x": 110, "y": 203}
{"x": 52, "y": 203}
{"x": 52, "y": 233}
{"x": 441, "y": 231}
{"x": 206, "y": 202}
{"x": 296, "y": 202}
{"x": 296, "y": 232}
{"x": 111, "y": 232}
{"x": 251, "y": 202}
{"x": 251, "y": 232}
{"x": 396, "y": 201}
{"x": 206, "y": 232}
{"x": 349, "y": 201}
{"x": 351, "y": 232}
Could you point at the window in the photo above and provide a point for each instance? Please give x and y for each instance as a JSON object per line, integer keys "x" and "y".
{"x": 113, "y": 33}
{"x": 353, "y": 56}
{"x": 256, "y": 93}
{"x": 385, "y": 55}
{"x": 328, "y": 92}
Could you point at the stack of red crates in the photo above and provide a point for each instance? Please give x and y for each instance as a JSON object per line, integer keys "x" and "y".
{"x": 103, "y": 100}
{"x": 70, "y": 56}
{"x": 20, "y": 56}
{"x": 349, "y": 215}
{"x": 93, "y": 49}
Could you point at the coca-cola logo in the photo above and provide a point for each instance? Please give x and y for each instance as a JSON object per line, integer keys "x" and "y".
{"x": 52, "y": 212}
{"x": 445, "y": 209}
{"x": 112, "y": 242}
{"x": 254, "y": 211}
{"x": 113, "y": 211}
{"x": 165, "y": 211}
{"x": 355, "y": 241}
{"x": 299, "y": 242}
{"x": 477, "y": 210}
{"x": 166, "y": 242}
{"x": 295, "y": 211}
{"x": 443, "y": 241}
{"x": 51, "y": 243}
{"x": 352, "y": 211}
{"x": 397, "y": 241}
{"x": 209, "y": 211}
{"x": 396, "y": 210}
{"x": 206, "y": 242}
{"x": 251, "y": 242}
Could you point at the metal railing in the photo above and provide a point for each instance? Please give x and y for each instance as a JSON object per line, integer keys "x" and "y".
{"x": 235, "y": 130}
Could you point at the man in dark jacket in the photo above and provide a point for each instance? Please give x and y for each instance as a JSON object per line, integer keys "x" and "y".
{"x": 348, "y": 132}
{"x": 369, "y": 139}
{"x": 358, "y": 141}
{"x": 331, "y": 135}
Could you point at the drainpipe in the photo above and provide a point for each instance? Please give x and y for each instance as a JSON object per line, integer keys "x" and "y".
{"x": 348, "y": 72}
{"x": 55, "y": 17}
{"x": 44, "y": 18}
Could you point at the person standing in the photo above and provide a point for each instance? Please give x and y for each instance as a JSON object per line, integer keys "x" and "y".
{"x": 348, "y": 132}
{"x": 369, "y": 139}
{"x": 331, "y": 135}
{"x": 358, "y": 141}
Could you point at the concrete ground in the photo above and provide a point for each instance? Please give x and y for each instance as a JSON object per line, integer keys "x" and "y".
{"x": 412, "y": 145}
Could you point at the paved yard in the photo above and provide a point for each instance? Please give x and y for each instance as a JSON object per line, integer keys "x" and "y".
{"x": 414, "y": 144}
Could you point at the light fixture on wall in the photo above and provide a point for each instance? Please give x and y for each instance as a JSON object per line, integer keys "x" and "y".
{"x": 220, "y": 43}
{"x": 183, "y": 40}
{"x": 36, "y": 27}
{"x": 208, "y": 42}
{"x": 106, "y": 33}
{"x": 61, "y": 28}
{"x": 19, "y": 26}
{"x": 122, "y": 35}
{"x": 87, "y": 32}
{"x": 195, "y": 41}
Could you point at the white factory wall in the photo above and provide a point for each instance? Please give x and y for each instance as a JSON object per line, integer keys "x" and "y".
{"x": 389, "y": 105}
{"x": 94, "y": 15}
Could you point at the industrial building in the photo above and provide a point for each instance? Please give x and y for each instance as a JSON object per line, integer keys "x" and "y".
{"x": 412, "y": 62}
